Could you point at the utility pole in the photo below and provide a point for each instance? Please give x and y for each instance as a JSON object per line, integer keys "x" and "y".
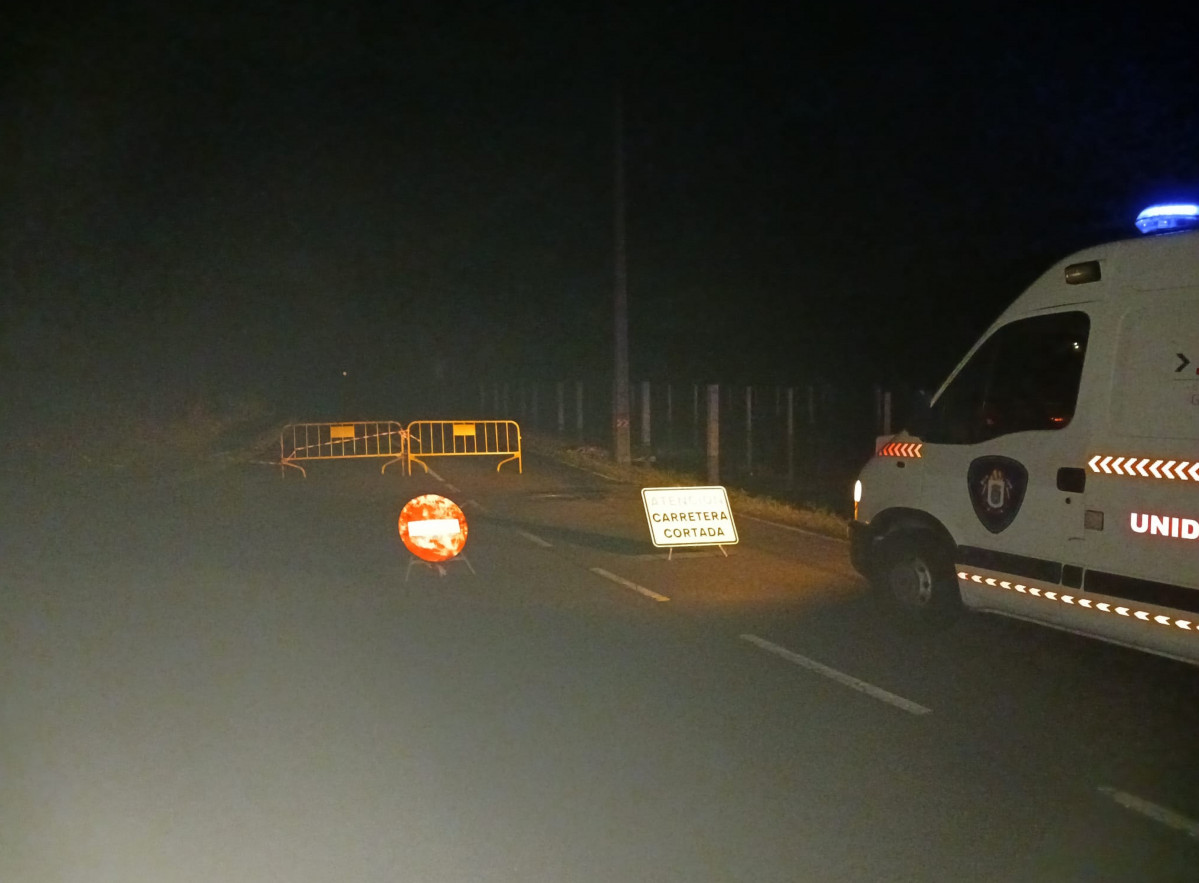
{"x": 620, "y": 397}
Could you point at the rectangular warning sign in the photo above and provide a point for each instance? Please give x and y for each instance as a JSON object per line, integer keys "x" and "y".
{"x": 343, "y": 432}
{"x": 689, "y": 516}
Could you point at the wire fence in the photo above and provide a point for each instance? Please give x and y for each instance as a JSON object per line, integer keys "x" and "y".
{"x": 803, "y": 441}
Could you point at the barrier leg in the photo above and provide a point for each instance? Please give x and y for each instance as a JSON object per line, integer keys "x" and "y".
{"x": 286, "y": 462}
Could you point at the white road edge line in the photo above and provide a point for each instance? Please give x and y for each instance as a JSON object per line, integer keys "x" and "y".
{"x": 660, "y": 556}
{"x": 477, "y": 506}
{"x": 793, "y": 529}
{"x": 1167, "y": 817}
{"x": 840, "y": 677}
{"x": 599, "y": 571}
{"x": 533, "y": 538}
{"x": 580, "y": 469}
{"x": 438, "y": 477}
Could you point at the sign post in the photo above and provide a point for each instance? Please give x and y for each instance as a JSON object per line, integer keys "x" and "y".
{"x": 689, "y": 516}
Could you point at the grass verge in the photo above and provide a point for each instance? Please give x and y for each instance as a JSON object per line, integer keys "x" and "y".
{"x": 599, "y": 461}
{"x": 196, "y": 439}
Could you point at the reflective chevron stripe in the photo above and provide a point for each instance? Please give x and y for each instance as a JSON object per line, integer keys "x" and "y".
{"x": 910, "y": 450}
{"x": 1145, "y": 467}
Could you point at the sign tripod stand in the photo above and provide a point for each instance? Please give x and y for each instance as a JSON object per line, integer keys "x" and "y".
{"x": 670, "y": 552}
{"x": 438, "y": 566}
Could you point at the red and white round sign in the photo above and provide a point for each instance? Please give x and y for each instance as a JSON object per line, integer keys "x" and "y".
{"x": 433, "y": 528}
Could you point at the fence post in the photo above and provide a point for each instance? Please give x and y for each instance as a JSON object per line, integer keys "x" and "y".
{"x": 669, "y": 418}
{"x": 645, "y": 415}
{"x": 790, "y": 435}
{"x": 579, "y": 409}
{"x": 749, "y": 430}
{"x": 713, "y": 433}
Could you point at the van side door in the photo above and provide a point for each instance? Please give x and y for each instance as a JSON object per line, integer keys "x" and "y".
{"x": 1003, "y": 460}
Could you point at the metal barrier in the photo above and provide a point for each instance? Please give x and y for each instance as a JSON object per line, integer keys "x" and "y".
{"x": 341, "y": 441}
{"x": 457, "y": 438}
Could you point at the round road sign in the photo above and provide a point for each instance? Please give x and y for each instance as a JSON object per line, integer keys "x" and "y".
{"x": 433, "y": 528}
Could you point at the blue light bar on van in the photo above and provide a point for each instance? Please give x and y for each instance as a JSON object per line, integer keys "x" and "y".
{"x": 1163, "y": 218}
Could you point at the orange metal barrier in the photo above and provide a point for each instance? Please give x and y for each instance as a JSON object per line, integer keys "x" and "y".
{"x": 456, "y": 438}
{"x": 341, "y": 441}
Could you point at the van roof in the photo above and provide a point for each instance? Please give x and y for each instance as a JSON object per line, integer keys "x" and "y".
{"x": 1149, "y": 263}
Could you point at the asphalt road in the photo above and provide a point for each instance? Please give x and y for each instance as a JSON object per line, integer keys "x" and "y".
{"x": 236, "y": 677}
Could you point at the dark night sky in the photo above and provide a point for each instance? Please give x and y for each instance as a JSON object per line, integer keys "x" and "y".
{"x": 257, "y": 196}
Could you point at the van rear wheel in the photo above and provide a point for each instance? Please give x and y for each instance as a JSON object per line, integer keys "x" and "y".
{"x": 915, "y": 578}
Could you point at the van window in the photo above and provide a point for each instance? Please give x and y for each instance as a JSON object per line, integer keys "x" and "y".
{"x": 1155, "y": 387}
{"x": 1023, "y": 378}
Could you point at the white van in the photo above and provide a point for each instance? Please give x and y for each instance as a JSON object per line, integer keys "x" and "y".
{"x": 1055, "y": 475}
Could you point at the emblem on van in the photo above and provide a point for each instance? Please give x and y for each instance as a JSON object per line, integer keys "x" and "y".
{"x": 997, "y": 486}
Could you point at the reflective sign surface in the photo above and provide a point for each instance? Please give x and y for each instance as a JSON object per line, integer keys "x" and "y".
{"x": 433, "y": 528}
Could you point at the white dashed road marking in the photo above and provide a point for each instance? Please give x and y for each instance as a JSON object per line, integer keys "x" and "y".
{"x": 840, "y": 677}
{"x": 1160, "y": 814}
{"x": 599, "y": 571}
{"x": 536, "y": 540}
